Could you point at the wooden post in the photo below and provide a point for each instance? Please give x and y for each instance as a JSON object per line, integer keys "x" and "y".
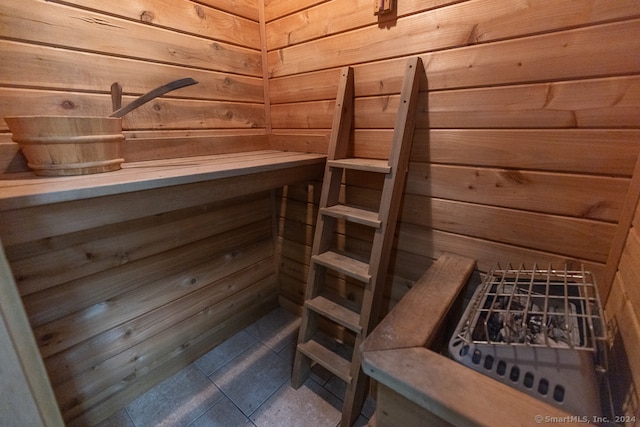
{"x": 26, "y": 393}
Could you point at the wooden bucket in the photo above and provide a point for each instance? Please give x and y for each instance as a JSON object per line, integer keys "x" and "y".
{"x": 58, "y": 145}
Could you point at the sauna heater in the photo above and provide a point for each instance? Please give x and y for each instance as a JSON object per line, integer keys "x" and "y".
{"x": 540, "y": 331}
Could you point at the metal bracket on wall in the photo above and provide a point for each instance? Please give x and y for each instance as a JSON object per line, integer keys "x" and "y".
{"x": 383, "y": 6}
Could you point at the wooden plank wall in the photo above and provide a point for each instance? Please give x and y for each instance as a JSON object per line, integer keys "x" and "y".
{"x": 61, "y": 57}
{"x": 118, "y": 307}
{"x": 623, "y": 308}
{"x": 527, "y": 136}
{"x": 528, "y": 128}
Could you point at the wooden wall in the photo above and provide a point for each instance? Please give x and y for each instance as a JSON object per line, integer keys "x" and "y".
{"x": 116, "y": 308}
{"x": 623, "y": 306}
{"x": 527, "y": 135}
{"x": 61, "y": 57}
{"x": 119, "y": 306}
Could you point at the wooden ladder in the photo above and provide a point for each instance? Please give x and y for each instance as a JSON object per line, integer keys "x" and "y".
{"x": 319, "y": 302}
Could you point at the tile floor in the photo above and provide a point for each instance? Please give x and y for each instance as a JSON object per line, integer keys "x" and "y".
{"x": 245, "y": 381}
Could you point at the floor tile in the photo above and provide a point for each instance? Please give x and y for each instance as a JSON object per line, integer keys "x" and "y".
{"x": 253, "y": 376}
{"x": 308, "y": 406}
{"x": 119, "y": 419}
{"x": 251, "y": 371}
{"x": 223, "y": 414}
{"x": 336, "y": 386}
{"x": 176, "y": 401}
{"x": 320, "y": 374}
{"x": 276, "y": 329}
{"x": 288, "y": 351}
{"x": 369, "y": 407}
{"x": 225, "y": 352}
{"x": 361, "y": 422}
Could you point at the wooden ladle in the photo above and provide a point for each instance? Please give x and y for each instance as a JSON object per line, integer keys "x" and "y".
{"x": 177, "y": 84}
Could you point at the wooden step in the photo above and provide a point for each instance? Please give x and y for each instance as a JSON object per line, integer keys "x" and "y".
{"x": 350, "y": 213}
{"x": 327, "y": 358}
{"x": 351, "y": 267}
{"x": 336, "y": 312}
{"x": 369, "y": 165}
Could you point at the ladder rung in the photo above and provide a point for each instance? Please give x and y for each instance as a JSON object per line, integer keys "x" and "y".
{"x": 360, "y": 216}
{"x": 344, "y": 264}
{"x": 327, "y": 358}
{"x": 336, "y": 312}
{"x": 369, "y": 165}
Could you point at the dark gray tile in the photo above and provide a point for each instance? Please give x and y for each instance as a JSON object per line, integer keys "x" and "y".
{"x": 361, "y": 421}
{"x": 225, "y": 352}
{"x": 176, "y": 401}
{"x": 369, "y": 407}
{"x": 119, "y": 419}
{"x": 336, "y": 386}
{"x": 320, "y": 374}
{"x": 308, "y": 406}
{"x": 249, "y": 379}
{"x": 276, "y": 329}
{"x": 223, "y": 414}
{"x": 288, "y": 351}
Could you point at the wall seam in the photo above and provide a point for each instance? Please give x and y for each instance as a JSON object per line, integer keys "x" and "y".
{"x": 265, "y": 68}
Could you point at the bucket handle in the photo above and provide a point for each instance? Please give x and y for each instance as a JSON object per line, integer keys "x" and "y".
{"x": 177, "y": 84}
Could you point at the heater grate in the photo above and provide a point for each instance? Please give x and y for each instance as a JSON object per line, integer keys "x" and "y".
{"x": 544, "y": 308}
{"x": 539, "y": 330}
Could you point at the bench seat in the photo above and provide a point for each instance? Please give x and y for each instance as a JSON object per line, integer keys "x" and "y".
{"x": 20, "y": 190}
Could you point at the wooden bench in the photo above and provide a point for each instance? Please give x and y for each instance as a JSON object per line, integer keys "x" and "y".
{"x": 142, "y": 188}
{"x": 20, "y": 190}
{"x": 417, "y": 386}
{"x": 163, "y": 259}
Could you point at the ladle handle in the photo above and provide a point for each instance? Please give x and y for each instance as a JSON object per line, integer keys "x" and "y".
{"x": 177, "y": 84}
{"x": 116, "y": 96}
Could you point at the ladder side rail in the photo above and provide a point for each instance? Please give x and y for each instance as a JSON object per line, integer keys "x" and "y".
{"x": 338, "y": 146}
{"x": 393, "y": 187}
{"x": 342, "y": 116}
